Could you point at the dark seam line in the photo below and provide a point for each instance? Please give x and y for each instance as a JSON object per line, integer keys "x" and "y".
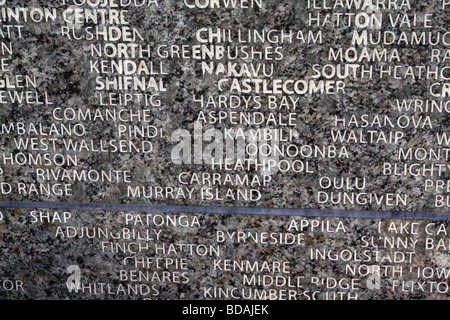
{"x": 229, "y": 210}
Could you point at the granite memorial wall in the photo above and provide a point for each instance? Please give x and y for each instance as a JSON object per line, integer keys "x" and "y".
{"x": 224, "y": 149}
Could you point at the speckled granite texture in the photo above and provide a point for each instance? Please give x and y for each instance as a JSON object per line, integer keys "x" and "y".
{"x": 381, "y": 259}
{"x": 38, "y": 255}
{"x": 61, "y": 68}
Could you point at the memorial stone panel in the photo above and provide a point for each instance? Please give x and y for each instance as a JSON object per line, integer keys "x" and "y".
{"x": 224, "y": 149}
{"x": 128, "y": 255}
